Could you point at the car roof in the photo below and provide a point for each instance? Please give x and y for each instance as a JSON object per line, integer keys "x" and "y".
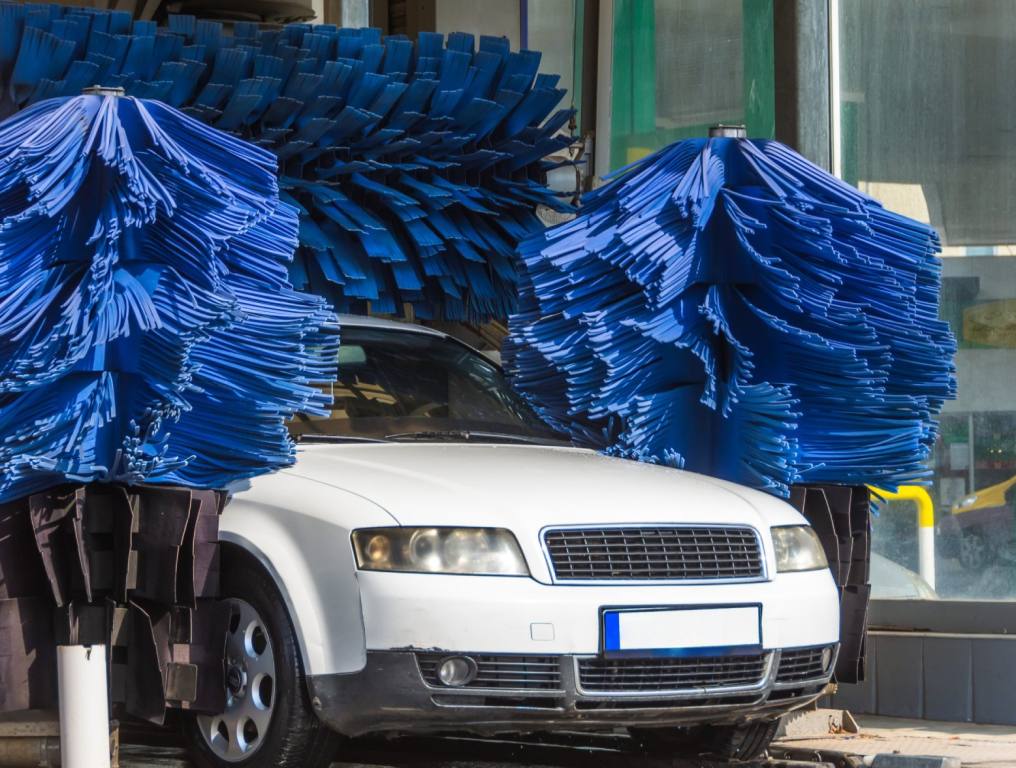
{"x": 364, "y": 321}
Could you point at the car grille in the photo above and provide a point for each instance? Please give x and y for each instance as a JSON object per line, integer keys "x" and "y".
{"x": 653, "y": 675}
{"x": 800, "y": 664}
{"x": 698, "y": 552}
{"x": 541, "y": 673}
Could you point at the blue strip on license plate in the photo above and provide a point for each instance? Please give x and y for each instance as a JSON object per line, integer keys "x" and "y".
{"x": 693, "y": 631}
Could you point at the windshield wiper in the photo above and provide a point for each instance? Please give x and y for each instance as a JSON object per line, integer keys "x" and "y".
{"x": 314, "y": 437}
{"x": 471, "y": 434}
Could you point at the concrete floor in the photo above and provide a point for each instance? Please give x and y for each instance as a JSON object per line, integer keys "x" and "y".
{"x": 975, "y": 745}
{"x": 987, "y": 746}
{"x": 450, "y": 753}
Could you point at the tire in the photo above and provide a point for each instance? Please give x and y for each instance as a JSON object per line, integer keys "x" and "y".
{"x": 267, "y": 690}
{"x": 975, "y": 549}
{"x": 722, "y": 742}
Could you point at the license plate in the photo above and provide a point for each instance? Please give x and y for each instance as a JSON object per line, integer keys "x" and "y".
{"x": 682, "y": 631}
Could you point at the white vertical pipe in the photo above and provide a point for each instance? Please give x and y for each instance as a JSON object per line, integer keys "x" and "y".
{"x": 926, "y": 551}
{"x": 835, "y": 123}
{"x": 84, "y": 706}
{"x": 604, "y": 90}
{"x": 355, "y": 13}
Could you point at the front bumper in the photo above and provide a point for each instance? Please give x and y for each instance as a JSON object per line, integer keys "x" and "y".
{"x": 411, "y": 618}
{"x": 392, "y": 694}
{"x": 489, "y": 614}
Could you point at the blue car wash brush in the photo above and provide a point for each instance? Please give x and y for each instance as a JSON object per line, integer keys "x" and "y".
{"x": 152, "y": 349}
{"x": 726, "y": 306}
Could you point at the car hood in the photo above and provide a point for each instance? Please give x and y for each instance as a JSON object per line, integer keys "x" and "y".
{"x": 891, "y": 581}
{"x": 527, "y": 488}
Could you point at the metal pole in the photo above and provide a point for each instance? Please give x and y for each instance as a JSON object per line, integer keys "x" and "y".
{"x": 835, "y": 127}
{"x": 722, "y": 131}
{"x": 103, "y": 90}
{"x": 604, "y": 88}
{"x": 970, "y": 454}
{"x": 84, "y": 706}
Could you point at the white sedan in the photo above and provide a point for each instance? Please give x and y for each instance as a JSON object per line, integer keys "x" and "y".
{"x": 438, "y": 560}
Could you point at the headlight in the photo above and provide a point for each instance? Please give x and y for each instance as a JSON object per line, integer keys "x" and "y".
{"x": 798, "y": 549}
{"x": 477, "y": 551}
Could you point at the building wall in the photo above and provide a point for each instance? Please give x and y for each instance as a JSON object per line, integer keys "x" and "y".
{"x": 936, "y": 676}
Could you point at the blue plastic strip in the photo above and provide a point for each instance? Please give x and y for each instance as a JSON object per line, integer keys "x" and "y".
{"x": 327, "y": 100}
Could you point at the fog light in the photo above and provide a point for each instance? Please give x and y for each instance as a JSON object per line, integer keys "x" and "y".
{"x": 827, "y": 658}
{"x": 456, "y": 671}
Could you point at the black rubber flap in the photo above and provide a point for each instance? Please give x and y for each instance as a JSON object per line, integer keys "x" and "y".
{"x": 841, "y": 516}
{"x": 133, "y": 568}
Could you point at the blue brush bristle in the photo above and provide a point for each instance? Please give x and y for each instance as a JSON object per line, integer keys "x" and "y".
{"x": 231, "y": 65}
{"x": 726, "y": 305}
{"x": 181, "y": 24}
{"x": 119, "y": 22}
{"x": 139, "y": 62}
{"x": 12, "y": 23}
{"x": 148, "y": 329}
{"x": 246, "y": 30}
{"x": 332, "y": 103}
{"x": 167, "y": 47}
{"x": 144, "y": 29}
{"x": 73, "y": 28}
{"x": 41, "y": 56}
{"x": 208, "y": 35}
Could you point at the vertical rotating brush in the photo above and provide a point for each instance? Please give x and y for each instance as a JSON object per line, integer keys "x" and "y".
{"x": 151, "y": 350}
{"x": 726, "y": 306}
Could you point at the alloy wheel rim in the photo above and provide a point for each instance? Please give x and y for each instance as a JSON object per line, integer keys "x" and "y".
{"x": 973, "y": 551}
{"x": 237, "y": 733}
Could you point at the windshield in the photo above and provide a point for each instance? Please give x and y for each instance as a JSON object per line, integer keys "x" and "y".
{"x": 404, "y": 385}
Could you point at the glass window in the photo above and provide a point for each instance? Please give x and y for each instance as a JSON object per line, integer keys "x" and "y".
{"x": 927, "y": 113}
{"x": 552, "y": 31}
{"x": 681, "y": 66}
{"x": 501, "y": 19}
{"x": 406, "y": 385}
{"x": 547, "y": 26}
{"x": 552, "y": 27}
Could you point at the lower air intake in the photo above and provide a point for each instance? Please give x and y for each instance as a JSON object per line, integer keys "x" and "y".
{"x": 655, "y": 675}
{"x": 800, "y": 664}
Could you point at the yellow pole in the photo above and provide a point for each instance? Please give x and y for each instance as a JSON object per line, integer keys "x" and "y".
{"x": 925, "y": 524}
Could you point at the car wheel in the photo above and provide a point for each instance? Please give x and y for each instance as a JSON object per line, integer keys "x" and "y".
{"x": 724, "y": 742}
{"x": 268, "y": 720}
{"x": 974, "y": 549}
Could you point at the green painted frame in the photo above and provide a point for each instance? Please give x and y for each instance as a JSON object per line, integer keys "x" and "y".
{"x": 633, "y": 131}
